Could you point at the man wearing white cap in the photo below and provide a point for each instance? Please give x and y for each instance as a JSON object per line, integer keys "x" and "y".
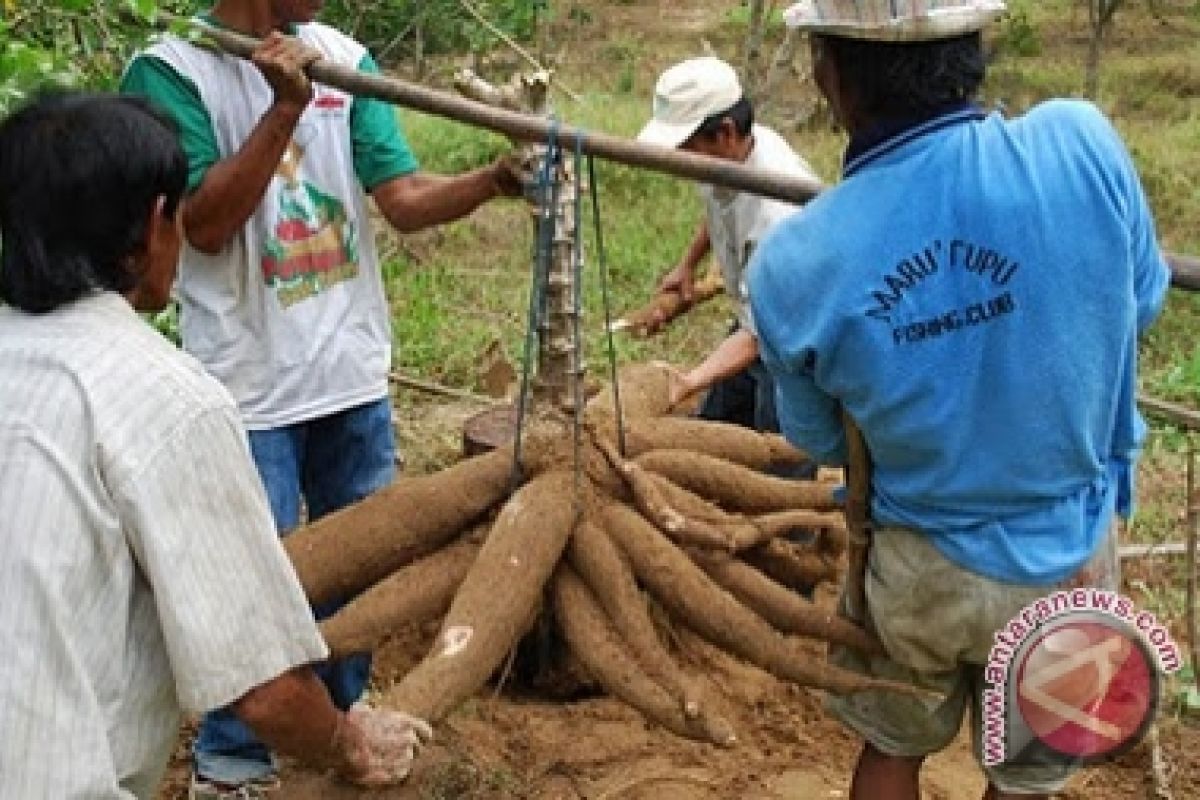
{"x": 971, "y": 294}
{"x": 699, "y": 107}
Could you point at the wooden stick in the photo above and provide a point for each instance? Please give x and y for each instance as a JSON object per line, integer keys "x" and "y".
{"x": 528, "y": 128}
{"x": 521, "y": 51}
{"x": 1193, "y": 518}
{"x": 858, "y": 518}
{"x": 1159, "y": 773}
{"x": 436, "y": 388}
{"x": 1185, "y": 271}
{"x": 1174, "y": 413}
{"x": 1152, "y": 549}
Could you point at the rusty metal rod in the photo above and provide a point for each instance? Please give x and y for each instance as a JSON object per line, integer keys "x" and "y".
{"x": 523, "y": 127}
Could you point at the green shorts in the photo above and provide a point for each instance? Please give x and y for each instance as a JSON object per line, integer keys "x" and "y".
{"x": 938, "y": 630}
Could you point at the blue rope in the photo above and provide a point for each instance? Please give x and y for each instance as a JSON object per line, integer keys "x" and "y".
{"x": 604, "y": 290}
{"x": 577, "y": 288}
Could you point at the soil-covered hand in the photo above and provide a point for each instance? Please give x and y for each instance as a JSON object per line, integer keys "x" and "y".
{"x": 283, "y": 61}
{"x": 378, "y": 746}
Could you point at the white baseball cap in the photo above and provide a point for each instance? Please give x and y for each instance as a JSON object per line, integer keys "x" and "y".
{"x": 686, "y": 95}
{"x": 894, "y": 20}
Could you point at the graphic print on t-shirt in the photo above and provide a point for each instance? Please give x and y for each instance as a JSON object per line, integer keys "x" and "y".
{"x": 312, "y": 242}
{"x": 994, "y": 301}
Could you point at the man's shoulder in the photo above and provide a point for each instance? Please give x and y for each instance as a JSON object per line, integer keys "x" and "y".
{"x": 776, "y": 152}
{"x": 1064, "y": 117}
{"x": 174, "y": 50}
{"x": 140, "y": 359}
{"x": 332, "y": 42}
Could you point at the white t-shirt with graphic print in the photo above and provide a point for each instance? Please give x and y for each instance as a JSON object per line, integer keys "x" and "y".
{"x": 291, "y": 316}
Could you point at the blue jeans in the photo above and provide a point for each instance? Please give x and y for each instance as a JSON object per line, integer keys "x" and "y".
{"x": 331, "y": 462}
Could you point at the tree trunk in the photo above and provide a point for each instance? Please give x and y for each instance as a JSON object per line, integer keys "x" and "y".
{"x": 1100, "y": 16}
{"x": 754, "y": 45}
{"x": 419, "y": 47}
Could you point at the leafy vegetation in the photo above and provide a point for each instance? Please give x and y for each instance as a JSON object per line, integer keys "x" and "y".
{"x": 392, "y": 27}
{"x": 74, "y": 43}
{"x": 70, "y": 43}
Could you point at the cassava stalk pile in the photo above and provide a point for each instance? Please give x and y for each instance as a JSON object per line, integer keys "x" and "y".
{"x": 683, "y": 519}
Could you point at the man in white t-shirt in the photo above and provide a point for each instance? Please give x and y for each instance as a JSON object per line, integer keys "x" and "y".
{"x": 699, "y": 107}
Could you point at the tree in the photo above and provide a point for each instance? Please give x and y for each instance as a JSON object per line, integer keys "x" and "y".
{"x": 1100, "y": 15}
{"x": 70, "y": 43}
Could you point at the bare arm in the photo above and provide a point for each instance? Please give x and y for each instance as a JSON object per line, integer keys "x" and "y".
{"x": 293, "y": 714}
{"x": 421, "y": 200}
{"x": 233, "y": 187}
{"x": 683, "y": 277}
{"x": 733, "y": 355}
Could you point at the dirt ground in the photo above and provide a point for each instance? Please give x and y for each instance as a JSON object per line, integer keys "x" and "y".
{"x": 510, "y": 742}
{"x": 513, "y": 743}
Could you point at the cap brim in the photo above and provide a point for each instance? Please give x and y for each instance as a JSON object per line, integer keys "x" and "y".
{"x": 667, "y": 134}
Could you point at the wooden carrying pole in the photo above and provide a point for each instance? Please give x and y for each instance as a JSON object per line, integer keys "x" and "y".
{"x": 526, "y": 128}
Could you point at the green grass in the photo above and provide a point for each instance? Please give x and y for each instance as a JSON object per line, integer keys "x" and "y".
{"x": 471, "y": 285}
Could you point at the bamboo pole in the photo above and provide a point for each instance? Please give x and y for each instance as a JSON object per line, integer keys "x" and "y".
{"x": 526, "y": 128}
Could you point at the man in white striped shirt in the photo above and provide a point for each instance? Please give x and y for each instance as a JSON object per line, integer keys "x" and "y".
{"x": 140, "y": 573}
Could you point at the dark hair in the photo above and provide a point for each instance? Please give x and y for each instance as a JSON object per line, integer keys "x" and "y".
{"x": 904, "y": 79}
{"x": 742, "y": 114}
{"x": 79, "y": 174}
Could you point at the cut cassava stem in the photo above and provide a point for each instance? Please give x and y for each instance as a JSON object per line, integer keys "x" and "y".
{"x": 413, "y": 594}
{"x": 602, "y": 653}
{"x": 734, "y": 487}
{"x": 689, "y": 594}
{"x": 496, "y": 600}
{"x": 599, "y": 562}
{"x": 343, "y": 553}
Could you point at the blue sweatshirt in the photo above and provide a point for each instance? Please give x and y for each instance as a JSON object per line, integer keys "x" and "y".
{"x": 972, "y": 293}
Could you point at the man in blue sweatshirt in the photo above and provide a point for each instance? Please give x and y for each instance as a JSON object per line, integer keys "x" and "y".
{"x": 971, "y": 294}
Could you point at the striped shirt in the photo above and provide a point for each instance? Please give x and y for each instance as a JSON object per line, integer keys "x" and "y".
{"x": 140, "y": 573}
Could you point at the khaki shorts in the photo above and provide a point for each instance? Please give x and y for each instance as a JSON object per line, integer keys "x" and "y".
{"x": 938, "y": 630}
